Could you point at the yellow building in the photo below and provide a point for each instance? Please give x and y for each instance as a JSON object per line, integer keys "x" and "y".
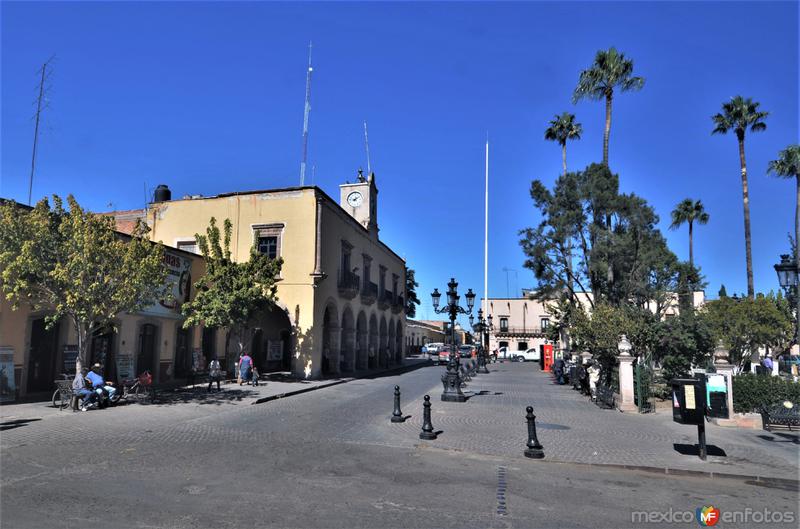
{"x": 153, "y": 339}
{"x": 341, "y": 292}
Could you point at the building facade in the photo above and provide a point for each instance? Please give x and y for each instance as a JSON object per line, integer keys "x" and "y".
{"x": 521, "y": 323}
{"x": 341, "y": 290}
{"x": 419, "y": 333}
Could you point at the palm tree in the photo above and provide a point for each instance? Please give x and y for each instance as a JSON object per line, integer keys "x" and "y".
{"x": 738, "y": 115}
{"x": 610, "y": 70}
{"x": 689, "y": 211}
{"x": 787, "y": 166}
{"x": 561, "y": 129}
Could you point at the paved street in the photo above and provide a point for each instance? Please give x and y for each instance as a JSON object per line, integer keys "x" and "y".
{"x": 331, "y": 458}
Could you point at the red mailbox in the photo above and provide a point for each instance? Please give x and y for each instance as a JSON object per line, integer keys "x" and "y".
{"x": 548, "y": 357}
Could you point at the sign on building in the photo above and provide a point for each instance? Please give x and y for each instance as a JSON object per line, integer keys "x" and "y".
{"x": 178, "y": 283}
{"x": 7, "y": 383}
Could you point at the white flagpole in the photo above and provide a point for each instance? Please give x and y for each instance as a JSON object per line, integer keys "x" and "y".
{"x": 486, "y": 237}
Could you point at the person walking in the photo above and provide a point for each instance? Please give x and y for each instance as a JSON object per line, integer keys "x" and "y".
{"x": 245, "y": 368}
{"x": 214, "y": 373}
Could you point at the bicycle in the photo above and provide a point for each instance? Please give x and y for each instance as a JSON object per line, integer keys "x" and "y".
{"x": 63, "y": 393}
{"x": 141, "y": 386}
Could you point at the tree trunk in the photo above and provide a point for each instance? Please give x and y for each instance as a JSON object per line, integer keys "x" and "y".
{"x": 564, "y": 157}
{"x": 797, "y": 262}
{"x": 746, "y": 203}
{"x": 609, "y": 97}
{"x": 691, "y": 252}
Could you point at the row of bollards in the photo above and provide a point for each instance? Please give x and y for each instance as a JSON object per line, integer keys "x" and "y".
{"x": 534, "y": 448}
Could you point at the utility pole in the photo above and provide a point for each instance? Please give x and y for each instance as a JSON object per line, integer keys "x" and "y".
{"x": 366, "y": 144}
{"x": 36, "y": 127}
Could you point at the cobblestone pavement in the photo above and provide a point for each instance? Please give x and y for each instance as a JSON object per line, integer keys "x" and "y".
{"x": 331, "y": 458}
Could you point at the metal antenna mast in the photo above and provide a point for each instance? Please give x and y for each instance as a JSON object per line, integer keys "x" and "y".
{"x": 306, "y": 112}
{"x": 36, "y": 127}
{"x": 366, "y": 143}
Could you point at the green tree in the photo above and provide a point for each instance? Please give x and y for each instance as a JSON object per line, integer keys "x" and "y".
{"x": 619, "y": 254}
{"x": 599, "y": 333}
{"x": 683, "y": 341}
{"x": 562, "y": 129}
{"x": 230, "y": 294}
{"x": 73, "y": 264}
{"x": 745, "y": 325}
{"x": 740, "y": 114}
{"x": 689, "y": 211}
{"x": 610, "y": 71}
{"x": 411, "y": 293}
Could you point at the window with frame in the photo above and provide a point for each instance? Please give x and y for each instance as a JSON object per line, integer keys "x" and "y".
{"x": 382, "y": 286}
{"x": 503, "y": 324}
{"x": 367, "y": 264}
{"x": 268, "y": 239}
{"x": 545, "y": 323}
{"x": 346, "y": 252}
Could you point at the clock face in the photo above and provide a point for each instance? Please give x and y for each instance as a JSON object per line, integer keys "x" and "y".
{"x": 355, "y": 199}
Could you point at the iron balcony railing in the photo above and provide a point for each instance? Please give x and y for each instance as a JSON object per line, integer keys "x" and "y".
{"x": 369, "y": 293}
{"x": 349, "y": 284}
{"x": 519, "y": 331}
{"x": 399, "y": 304}
{"x": 385, "y": 300}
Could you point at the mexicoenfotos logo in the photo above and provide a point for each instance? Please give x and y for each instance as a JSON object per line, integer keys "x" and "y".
{"x": 707, "y": 516}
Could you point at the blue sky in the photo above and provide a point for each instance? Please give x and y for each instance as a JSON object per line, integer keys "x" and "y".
{"x": 208, "y": 98}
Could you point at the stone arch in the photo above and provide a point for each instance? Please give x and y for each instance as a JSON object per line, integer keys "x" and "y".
{"x": 347, "y": 360}
{"x": 398, "y": 352}
{"x": 383, "y": 338}
{"x": 362, "y": 341}
{"x": 390, "y": 343}
{"x": 373, "y": 346}
{"x": 330, "y": 339}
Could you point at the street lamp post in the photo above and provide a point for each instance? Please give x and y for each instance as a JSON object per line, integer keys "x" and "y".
{"x": 452, "y": 378}
{"x": 787, "y": 277}
{"x": 483, "y": 329}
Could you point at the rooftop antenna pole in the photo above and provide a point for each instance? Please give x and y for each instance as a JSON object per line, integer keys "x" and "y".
{"x": 306, "y": 112}
{"x": 366, "y": 143}
{"x": 36, "y": 127}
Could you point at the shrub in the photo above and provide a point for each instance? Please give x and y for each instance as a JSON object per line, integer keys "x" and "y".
{"x": 750, "y": 391}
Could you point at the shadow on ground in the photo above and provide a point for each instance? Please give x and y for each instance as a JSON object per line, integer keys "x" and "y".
{"x": 694, "y": 450}
{"x": 200, "y": 396}
{"x": 8, "y": 425}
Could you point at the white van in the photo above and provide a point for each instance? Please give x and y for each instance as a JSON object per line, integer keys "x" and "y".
{"x": 433, "y": 350}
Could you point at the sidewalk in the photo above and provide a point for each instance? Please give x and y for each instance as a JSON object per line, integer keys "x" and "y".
{"x": 276, "y": 386}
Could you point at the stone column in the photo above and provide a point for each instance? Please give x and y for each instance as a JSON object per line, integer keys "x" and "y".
{"x": 725, "y": 368}
{"x": 334, "y": 338}
{"x": 349, "y": 347}
{"x": 627, "y": 401}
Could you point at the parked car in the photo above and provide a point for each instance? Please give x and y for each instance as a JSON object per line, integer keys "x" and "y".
{"x": 531, "y": 355}
{"x": 434, "y": 350}
{"x": 467, "y": 351}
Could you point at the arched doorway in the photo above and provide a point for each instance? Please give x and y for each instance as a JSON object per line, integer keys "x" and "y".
{"x": 272, "y": 340}
{"x": 383, "y": 359}
{"x": 361, "y": 341}
{"x": 348, "y": 342}
{"x": 330, "y": 340}
{"x": 390, "y": 345}
{"x": 398, "y": 352}
{"x": 372, "y": 363}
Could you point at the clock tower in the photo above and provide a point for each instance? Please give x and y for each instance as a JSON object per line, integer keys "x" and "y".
{"x": 360, "y": 200}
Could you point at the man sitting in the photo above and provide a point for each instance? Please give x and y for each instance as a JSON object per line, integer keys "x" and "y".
{"x": 79, "y": 388}
{"x": 99, "y": 384}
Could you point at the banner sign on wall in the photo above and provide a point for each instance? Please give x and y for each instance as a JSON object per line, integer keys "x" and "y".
{"x": 125, "y": 366}
{"x": 178, "y": 282}
{"x": 70, "y": 356}
{"x": 275, "y": 351}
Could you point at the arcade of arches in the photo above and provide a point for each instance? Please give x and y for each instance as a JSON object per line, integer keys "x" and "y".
{"x": 357, "y": 342}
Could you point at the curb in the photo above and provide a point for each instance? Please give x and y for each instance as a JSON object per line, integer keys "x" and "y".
{"x": 395, "y": 371}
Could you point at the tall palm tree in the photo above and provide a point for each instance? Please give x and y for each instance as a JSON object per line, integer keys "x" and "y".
{"x": 738, "y": 115}
{"x": 689, "y": 211}
{"x": 561, "y": 129}
{"x": 610, "y": 70}
{"x": 787, "y": 166}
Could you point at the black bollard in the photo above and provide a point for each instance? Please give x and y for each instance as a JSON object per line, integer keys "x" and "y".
{"x": 535, "y": 449}
{"x": 397, "y": 415}
{"x": 427, "y": 432}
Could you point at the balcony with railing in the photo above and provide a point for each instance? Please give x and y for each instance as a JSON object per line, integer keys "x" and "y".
{"x": 518, "y": 331}
{"x": 369, "y": 294}
{"x": 399, "y": 304}
{"x": 385, "y": 300}
{"x": 349, "y": 284}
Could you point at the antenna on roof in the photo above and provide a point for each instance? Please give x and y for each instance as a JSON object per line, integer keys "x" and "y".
{"x": 39, "y": 100}
{"x": 366, "y": 144}
{"x": 306, "y": 112}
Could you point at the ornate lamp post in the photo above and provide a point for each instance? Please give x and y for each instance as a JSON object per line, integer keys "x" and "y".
{"x": 483, "y": 329}
{"x": 452, "y": 379}
{"x": 787, "y": 276}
